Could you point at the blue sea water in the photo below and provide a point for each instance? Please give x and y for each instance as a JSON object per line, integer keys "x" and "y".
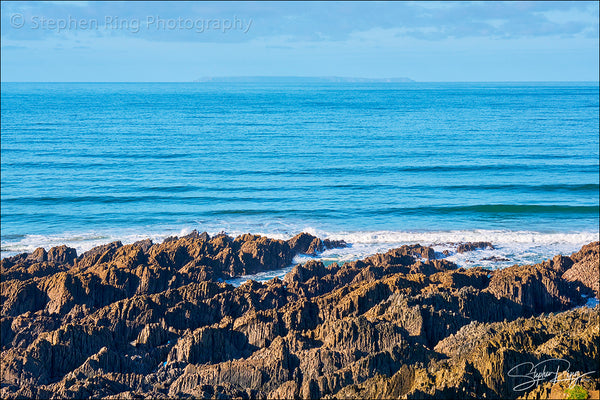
{"x": 377, "y": 164}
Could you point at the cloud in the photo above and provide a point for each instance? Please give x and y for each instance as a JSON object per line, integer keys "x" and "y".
{"x": 301, "y": 21}
{"x": 13, "y": 47}
{"x": 422, "y": 40}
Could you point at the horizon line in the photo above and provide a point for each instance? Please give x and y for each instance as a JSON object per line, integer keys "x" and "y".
{"x": 375, "y": 80}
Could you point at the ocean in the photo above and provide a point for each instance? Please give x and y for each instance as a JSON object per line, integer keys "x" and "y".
{"x": 375, "y": 164}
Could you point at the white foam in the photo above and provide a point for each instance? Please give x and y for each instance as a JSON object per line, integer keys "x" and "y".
{"x": 80, "y": 241}
{"x": 457, "y": 236}
{"x": 84, "y": 241}
{"x": 512, "y": 247}
{"x": 517, "y": 247}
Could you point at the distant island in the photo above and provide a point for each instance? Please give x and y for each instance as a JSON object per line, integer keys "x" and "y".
{"x": 298, "y": 79}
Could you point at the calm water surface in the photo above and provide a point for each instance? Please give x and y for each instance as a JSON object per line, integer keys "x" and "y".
{"x": 376, "y": 164}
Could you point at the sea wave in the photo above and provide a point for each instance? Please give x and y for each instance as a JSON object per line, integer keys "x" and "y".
{"x": 510, "y": 247}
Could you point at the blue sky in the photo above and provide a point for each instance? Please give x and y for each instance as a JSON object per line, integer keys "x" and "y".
{"x": 183, "y": 41}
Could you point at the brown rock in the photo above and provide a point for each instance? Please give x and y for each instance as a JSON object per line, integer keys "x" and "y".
{"x": 586, "y": 269}
{"x": 152, "y": 321}
{"x": 19, "y": 297}
{"x": 535, "y": 289}
{"x": 39, "y": 255}
{"x": 304, "y": 243}
{"x": 62, "y": 255}
{"x": 98, "y": 254}
{"x": 144, "y": 244}
{"x": 334, "y": 244}
{"x": 470, "y": 246}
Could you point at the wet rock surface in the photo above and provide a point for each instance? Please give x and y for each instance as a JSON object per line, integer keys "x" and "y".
{"x": 152, "y": 320}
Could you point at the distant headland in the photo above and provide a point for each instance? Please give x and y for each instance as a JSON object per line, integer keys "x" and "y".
{"x": 298, "y": 79}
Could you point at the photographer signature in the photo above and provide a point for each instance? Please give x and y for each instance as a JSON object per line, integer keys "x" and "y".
{"x": 548, "y": 370}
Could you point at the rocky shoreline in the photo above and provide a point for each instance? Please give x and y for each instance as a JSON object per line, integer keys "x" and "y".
{"x": 152, "y": 320}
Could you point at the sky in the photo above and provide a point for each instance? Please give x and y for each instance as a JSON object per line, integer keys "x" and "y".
{"x": 59, "y": 41}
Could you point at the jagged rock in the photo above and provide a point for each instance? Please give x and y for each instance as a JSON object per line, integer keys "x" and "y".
{"x": 39, "y": 255}
{"x": 9, "y": 262}
{"x": 153, "y": 321}
{"x": 98, "y": 254}
{"x": 196, "y": 235}
{"x": 210, "y": 345}
{"x": 470, "y": 246}
{"x": 19, "y": 297}
{"x": 586, "y": 268}
{"x": 305, "y": 243}
{"x": 143, "y": 244}
{"x": 564, "y": 387}
{"x": 258, "y": 253}
{"x": 405, "y": 255}
{"x": 334, "y": 244}
{"x": 537, "y": 288}
{"x": 495, "y": 259}
{"x": 481, "y": 356}
{"x": 62, "y": 255}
